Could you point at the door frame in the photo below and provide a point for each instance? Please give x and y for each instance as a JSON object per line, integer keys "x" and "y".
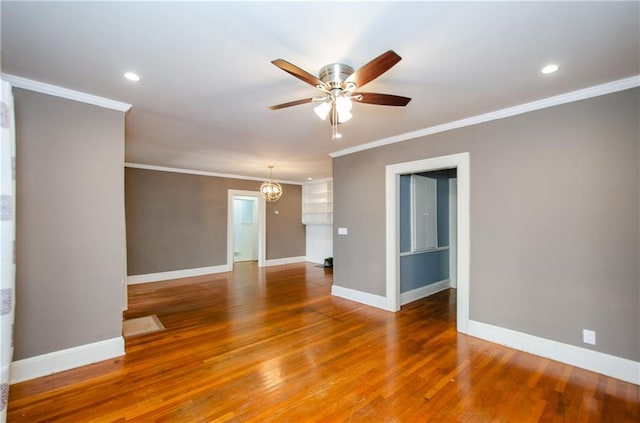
{"x": 262, "y": 224}
{"x": 459, "y": 161}
{"x": 453, "y": 230}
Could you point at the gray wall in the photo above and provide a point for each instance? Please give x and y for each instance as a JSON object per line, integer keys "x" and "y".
{"x": 70, "y": 224}
{"x": 554, "y": 215}
{"x": 178, "y": 221}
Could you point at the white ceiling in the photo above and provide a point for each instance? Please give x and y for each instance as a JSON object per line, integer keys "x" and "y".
{"x": 207, "y": 78}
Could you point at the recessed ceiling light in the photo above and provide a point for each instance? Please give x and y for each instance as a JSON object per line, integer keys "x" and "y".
{"x": 132, "y": 76}
{"x": 309, "y": 178}
{"x": 550, "y": 69}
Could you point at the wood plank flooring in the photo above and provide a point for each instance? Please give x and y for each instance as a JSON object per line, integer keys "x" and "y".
{"x": 273, "y": 345}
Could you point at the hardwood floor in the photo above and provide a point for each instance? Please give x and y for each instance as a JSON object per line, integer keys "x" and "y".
{"x": 273, "y": 345}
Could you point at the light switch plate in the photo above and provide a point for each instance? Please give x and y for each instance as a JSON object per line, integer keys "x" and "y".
{"x": 588, "y": 336}
{"x": 343, "y": 231}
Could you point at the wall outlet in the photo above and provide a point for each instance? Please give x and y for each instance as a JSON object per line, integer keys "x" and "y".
{"x": 588, "y": 336}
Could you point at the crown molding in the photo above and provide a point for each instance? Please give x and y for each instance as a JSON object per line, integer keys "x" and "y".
{"x": 595, "y": 91}
{"x": 54, "y": 90}
{"x": 203, "y": 173}
{"x": 317, "y": 181}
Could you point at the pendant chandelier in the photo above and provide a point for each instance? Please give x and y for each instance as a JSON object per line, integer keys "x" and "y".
{"x": 271, "y": 191}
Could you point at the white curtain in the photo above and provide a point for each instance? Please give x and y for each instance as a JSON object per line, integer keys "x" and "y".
{"x": 7, "y": 240}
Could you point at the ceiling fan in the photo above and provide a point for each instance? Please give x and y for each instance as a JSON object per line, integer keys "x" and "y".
{"x": 338, "y": 83}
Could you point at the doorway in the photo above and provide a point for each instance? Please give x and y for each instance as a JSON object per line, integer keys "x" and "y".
{"x": 246, "y": 227}
{"x": 427, "y": 253}
{"x": 393, "y": 172}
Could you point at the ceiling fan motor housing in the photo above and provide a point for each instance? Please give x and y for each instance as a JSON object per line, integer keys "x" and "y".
{"x": 335, "y": 74}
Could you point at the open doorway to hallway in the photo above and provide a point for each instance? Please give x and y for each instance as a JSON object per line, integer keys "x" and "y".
{"x": 245, "y": 229}
{"x": 393, "y": 173}
{"x": 427, "y": 218}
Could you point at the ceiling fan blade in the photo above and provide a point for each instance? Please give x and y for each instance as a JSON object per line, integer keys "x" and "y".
{"x": 373, "y": 69}
{"x": 297, "y": 72}
{"x": 382, "y": 99}
{"x": 291, "y": 103}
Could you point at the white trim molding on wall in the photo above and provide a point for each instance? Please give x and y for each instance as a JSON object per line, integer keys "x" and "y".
{"x": 595, "y": 91}
{"x": 200, "y": 271}
{"x": 595, "y": 361}
{"x": 54, "y": 90}
{"x": 70, "y": 358}
{"x": 176, "y": 274}
{"x": 372, "y": 300}
{"x": 424, "y": 291}
{"x": 606, "y": 364}
{"x": 203, "y": 173}
{"x": 285, "y": 260}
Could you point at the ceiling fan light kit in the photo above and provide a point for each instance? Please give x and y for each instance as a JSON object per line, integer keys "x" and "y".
{"x": 338, "y": 82}
{"x": 323, "y": 109}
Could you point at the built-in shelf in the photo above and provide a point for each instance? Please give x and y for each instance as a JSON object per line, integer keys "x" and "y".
{"x": 317, "y": 203}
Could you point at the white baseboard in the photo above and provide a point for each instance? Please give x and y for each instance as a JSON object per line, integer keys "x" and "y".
{"x": 176, "y": 274}
{"x": 285, "y": 260}
{"x": 58, "y": 361}
{"x": 372, "y": 300}
{"x": 616, "y": 367}
{"x": 424, "y": 291}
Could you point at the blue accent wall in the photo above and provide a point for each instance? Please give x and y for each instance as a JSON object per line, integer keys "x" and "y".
{"x": 418, "y": 270}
